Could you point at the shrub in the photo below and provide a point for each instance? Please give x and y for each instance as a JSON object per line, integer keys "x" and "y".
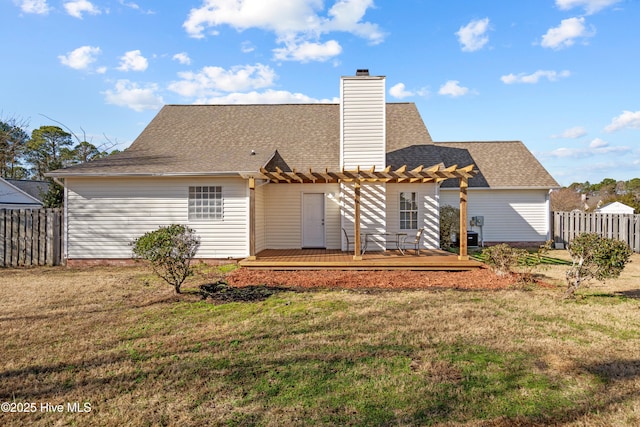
{"x": 169, "y": 250}
{"x": 595, "y": 257}
{"x": 449, "y": 224}
{"x": 503, "y": 258}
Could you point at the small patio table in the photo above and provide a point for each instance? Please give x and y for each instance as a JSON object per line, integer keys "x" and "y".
{"x": 383, "y": 234}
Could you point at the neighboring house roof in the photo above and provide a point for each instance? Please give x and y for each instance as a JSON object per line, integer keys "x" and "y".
{"x": 231, "y": 139}
{"x": 36, "y": 189}
{"x": 616, "y": 207}
{"x": 11, "y": 196}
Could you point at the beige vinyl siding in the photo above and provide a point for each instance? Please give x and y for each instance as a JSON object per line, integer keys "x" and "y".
{"x": 106, "y": 214}
{"x": 428, "y": 212}
{"x": 373, "y": 218}
{"x": 363, "y": 122}
{"x": 283, "y": 214}
{"x": 509, "y": 215}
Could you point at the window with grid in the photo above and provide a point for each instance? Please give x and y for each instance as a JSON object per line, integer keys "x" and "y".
{"x": 205, "y": 203}
{"x": 408, "y": 211}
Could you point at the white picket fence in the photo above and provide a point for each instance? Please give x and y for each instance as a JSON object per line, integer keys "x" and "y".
{"x": 625, "y": 227}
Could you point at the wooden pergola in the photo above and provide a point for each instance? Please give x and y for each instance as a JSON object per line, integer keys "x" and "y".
{"x": 437, "y": 173}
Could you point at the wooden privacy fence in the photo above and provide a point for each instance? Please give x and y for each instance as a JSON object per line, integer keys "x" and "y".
{"x": 625, "y": 227}
{"x": 30, "y": 237}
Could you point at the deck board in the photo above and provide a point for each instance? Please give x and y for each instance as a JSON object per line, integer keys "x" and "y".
{"x": 321, "y": 259}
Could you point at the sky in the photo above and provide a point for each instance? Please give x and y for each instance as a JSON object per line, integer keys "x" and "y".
{"x": 562, "y": 76}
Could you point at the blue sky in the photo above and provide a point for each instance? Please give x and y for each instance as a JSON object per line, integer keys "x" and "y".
{"x": 560, "y": 75}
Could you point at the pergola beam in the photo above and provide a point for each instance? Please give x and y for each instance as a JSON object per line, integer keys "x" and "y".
{"x": 417, "y": 175}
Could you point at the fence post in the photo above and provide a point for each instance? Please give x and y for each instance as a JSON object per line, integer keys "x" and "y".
{"x": 3, "y": 238}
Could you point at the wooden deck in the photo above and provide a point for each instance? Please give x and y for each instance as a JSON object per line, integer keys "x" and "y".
{"x": 321, "y": 259}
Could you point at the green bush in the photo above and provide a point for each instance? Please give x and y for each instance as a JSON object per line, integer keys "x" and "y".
{"x": 503, "y": 258}
{"x": 449, "y": 224}
{"x": 169, "y": 250}
{"x": 595, "y": 257}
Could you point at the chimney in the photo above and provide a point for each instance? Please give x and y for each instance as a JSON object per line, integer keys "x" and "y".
{"x": 362, "y": 121}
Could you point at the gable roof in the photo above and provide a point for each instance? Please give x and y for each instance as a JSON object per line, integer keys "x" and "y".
{"x": 220, "y": 139}
{"x": 231, "y": 139}
{"x": 502, "y": 164}
{"x": 616, "y": 207}
{"x": 33, "y": 188}
{"x": 13, "y": 196}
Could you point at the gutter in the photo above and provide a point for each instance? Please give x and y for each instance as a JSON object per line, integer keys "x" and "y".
{"x": 55, "y": 175}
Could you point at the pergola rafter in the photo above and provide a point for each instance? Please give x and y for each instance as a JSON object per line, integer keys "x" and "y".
{"x": 420, "y": 174}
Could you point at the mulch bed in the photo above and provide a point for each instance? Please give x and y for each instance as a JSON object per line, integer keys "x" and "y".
{"x": 479, "y": 279}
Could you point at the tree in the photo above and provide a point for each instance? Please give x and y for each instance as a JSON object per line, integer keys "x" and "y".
{"x": 633, "y": 185}
{"x": 169, "y": 250}
{"x": 13, "y": 142}
{"x": 44, "y": 151}
{"x": 595, "y": 257}
{"x": 81, "y": 153}
{"x": 449, "y": 224}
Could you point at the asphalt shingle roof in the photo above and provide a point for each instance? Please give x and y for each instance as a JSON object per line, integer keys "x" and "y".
{"x": 227, "y": 139}
{"x": 502, "y": 164}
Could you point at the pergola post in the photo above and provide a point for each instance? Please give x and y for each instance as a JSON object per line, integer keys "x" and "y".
{"x": 464, "y": 184}
{"x": 252, "y": 219}
{"x": 356, "y": 221}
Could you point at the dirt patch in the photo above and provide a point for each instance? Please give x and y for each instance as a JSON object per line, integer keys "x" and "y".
{"x": 483, "y": 278}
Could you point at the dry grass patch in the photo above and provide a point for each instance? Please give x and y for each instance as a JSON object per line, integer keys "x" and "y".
{"x": 122, "y": 341}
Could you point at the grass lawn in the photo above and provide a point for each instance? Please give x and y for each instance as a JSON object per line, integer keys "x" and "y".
{"x": 121, "y": 342}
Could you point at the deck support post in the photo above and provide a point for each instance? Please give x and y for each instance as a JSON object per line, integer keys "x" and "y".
{"x": 357, "y": 256}
{"x": 252, "y": 219}
{"x": 464, "y": 185}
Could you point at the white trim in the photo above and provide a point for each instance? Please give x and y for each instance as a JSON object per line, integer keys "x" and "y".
{"x": 500, "y": 188}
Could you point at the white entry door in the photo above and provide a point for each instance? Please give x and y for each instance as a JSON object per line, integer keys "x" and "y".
{"x": 313, "y": 220}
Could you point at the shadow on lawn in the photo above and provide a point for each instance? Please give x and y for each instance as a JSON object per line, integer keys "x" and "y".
{"x": 633, "y": 293}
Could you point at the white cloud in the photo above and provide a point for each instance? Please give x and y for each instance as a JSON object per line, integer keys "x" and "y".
{"x": 213, "y": 81}
{"x": 566, "y": 33}
{"x": 133, "y": 61}
{"x": 247, "y": 47}
{"x": 598, "y": 143}
{"x": 308, "y": 51}
{"x": 269, "y": 96}
{"x": 182, "y": 58}
{"x": 135, "y": 6}
{"x": 298, "y": 24}
{"x": 597, "y": 147}
{"x": 129, "y": 94}
{"x": 453, "y": 88}
{"x": 38, "y": 7}
{"x": 80, "y": 58}
{"x": 473, "y": 36}
{"x": 533, "y": 78}
{"x": 572, "y": 133}
{"x": 628, "y": 119}
{"x": 590, "y": 6}
{"x": 76, "y": 8}
{"x": 346, "y": 16}
{"x": 399, "y": 91}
